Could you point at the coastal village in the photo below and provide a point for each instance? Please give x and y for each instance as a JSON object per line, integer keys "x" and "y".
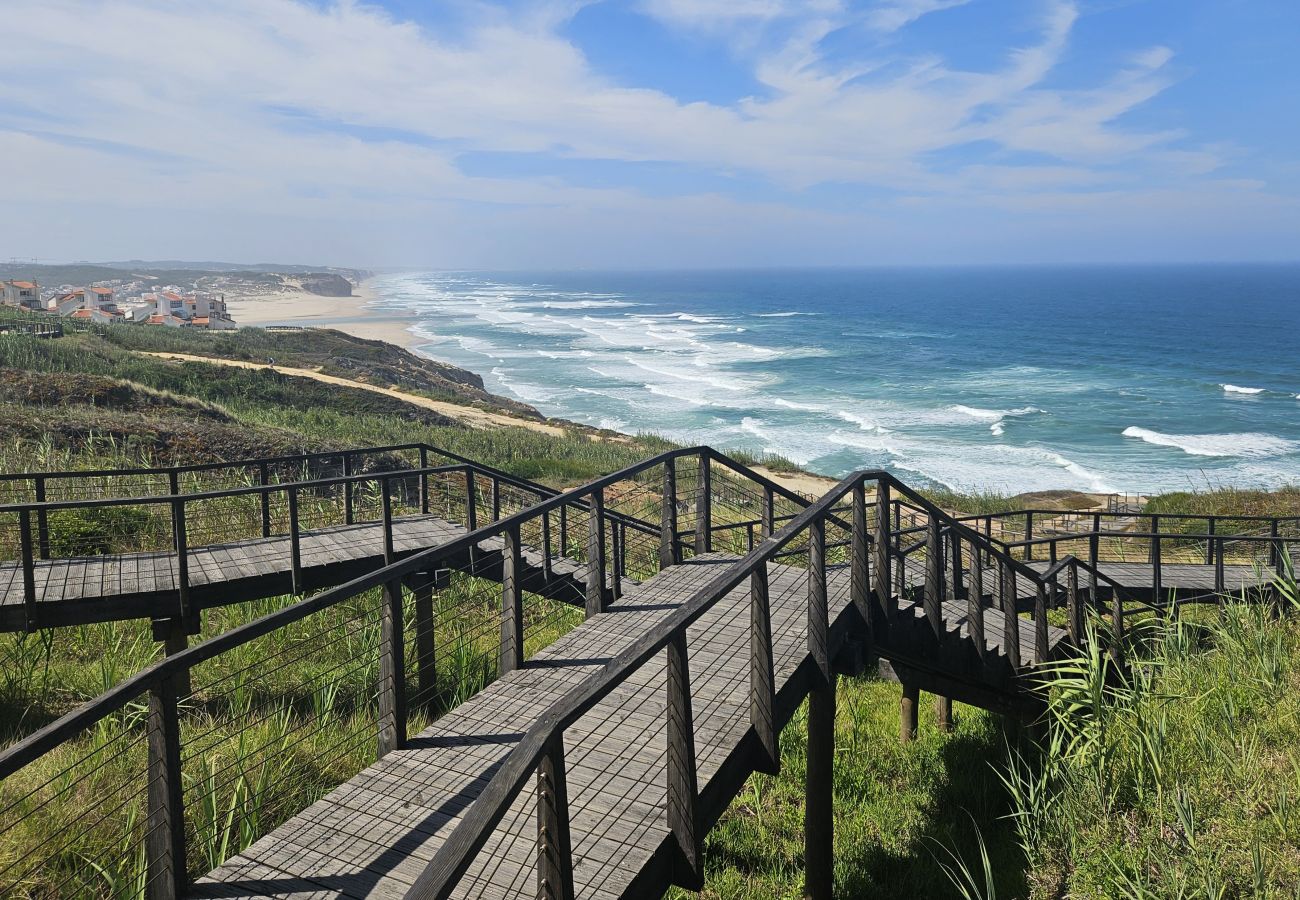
{"x": 121, "y": 302}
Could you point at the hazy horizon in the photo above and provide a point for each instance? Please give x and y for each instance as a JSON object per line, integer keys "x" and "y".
{"x": 651, "y": 134}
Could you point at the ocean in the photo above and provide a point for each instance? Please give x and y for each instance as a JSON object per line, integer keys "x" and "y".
{"x": 1010, "y": 379}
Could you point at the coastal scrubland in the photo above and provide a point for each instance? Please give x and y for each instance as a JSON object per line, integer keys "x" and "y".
{"x": 1178, "y": 778}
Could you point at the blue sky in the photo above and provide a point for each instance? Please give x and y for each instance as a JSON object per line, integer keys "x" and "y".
{"x": 651, "y": 133}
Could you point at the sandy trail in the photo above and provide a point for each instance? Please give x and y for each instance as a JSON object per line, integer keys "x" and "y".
{"x": 800, "y": 482}
{"x": 469, "y": 415}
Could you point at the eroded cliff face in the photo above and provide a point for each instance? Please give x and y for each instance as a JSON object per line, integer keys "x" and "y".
{"x": 326, "y": 284}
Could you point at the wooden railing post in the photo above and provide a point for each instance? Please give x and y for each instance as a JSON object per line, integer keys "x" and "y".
{"x": 1010, "y": 619}
{"x": 386, "y": 515}
{"x": 1274, "y": 558}
{"x": 425, "y": 641}
{"x": 511, "y": 655}
{"x": 1040, "y": 622}
{"x": 554, "y": 845}
{"x": 669, "y": 554}
{"x": 955, "y": 584}
{"x": 496, "y": 499}
{"x": 471, "y": 501}
{"x": 392, "y": 662}
{"x": 1073, "y": 612}
{"x": 933, "y": 598}
{"x": 616, "y": 545}
{"x": 860, "y": 565}
{"x": 547, "y": 550}
{"x": 1218, "y": 566}
{"x": 392, "y": 671}
{"x": 1029, "y": 535}
{"x": 29, "y": 570}
{"x": 818, "y": 615}
{"x": 596, "y": 553}
{"x": 883, "y": 587}
{"x": 424, "y": 480}
{"x": 164, "y": 799}
{"x": 683, "y": 793}
{"x": 975, "y": 608}
{"x": 1210, "y": 525}
{"x": 762, "y": 676}
{"x": 768, "y": 514}
{"x": 1094, "y": 555}
{"x": 1152, "y": 551}
{"x": 42, "y": 520}
{"x": 348, "y": 490}
{"x": 180, "y": 542}
{"x": 295, "y": 542}
{"x": 1157, "y": 576}
{"x": 264, "y": 480}
{"x": 704, "y": 507}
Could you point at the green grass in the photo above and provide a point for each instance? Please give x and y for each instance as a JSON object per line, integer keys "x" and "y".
{"x": 1180, "y": 780}
{"x": 897, "y": 806}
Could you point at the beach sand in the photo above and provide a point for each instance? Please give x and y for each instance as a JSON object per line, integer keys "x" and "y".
{"x": 344, "y": 313}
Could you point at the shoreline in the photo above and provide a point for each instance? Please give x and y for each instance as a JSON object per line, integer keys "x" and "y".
{"x": 347, "y": 314}
{"x": 350, "y": 315}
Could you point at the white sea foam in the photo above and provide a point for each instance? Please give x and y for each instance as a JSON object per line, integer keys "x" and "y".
{"x": 1234, "y": 389}
{"x": 1246, "y": 444}
{"x": 782, "y": 315}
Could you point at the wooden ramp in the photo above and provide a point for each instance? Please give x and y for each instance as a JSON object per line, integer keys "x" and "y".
{"x": 372, "y": 836}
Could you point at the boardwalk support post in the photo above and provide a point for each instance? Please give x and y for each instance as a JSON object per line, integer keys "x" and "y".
{"x": 908, "y": 712}
{"x": 768, "y": 513}
{"x": 511, "y": 656}
{"x": 165, "y": 812}
{"x": 596, "y": 553}
{"x": 943, "y": 713}
{"x": 683, "y": 792}
{"x": 762, "y": 676}
{"x": 669, "y": 553}
{"x": 554, "y": 845}
{"x": 819, "y": 806}
{"x": 818, "y": 619}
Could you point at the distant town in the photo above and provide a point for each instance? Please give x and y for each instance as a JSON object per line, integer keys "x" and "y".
{"x": 173, "y": 294}
{"x": 121, "y": 301}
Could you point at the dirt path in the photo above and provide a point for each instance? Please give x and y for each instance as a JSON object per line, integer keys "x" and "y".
{"x": 801, "y": 482}
{"x": 469, "y": 415}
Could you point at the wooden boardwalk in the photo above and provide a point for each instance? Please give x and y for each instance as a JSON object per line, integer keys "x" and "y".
{"x": 372, "y": 836}
{"x": 87, "y": 589}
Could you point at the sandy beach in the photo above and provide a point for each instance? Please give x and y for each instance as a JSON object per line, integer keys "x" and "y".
{"x": 344, "y": 313}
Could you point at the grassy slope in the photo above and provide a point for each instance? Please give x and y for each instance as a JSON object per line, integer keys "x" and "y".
{"x": 897, "y": 807}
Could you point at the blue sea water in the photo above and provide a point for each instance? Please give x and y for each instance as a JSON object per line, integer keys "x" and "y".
{"x": 1013, "y": 379}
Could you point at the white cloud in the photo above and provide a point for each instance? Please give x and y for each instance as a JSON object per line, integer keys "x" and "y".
{"x": 338, "y": 118}
{"x": 891, "y": 16}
